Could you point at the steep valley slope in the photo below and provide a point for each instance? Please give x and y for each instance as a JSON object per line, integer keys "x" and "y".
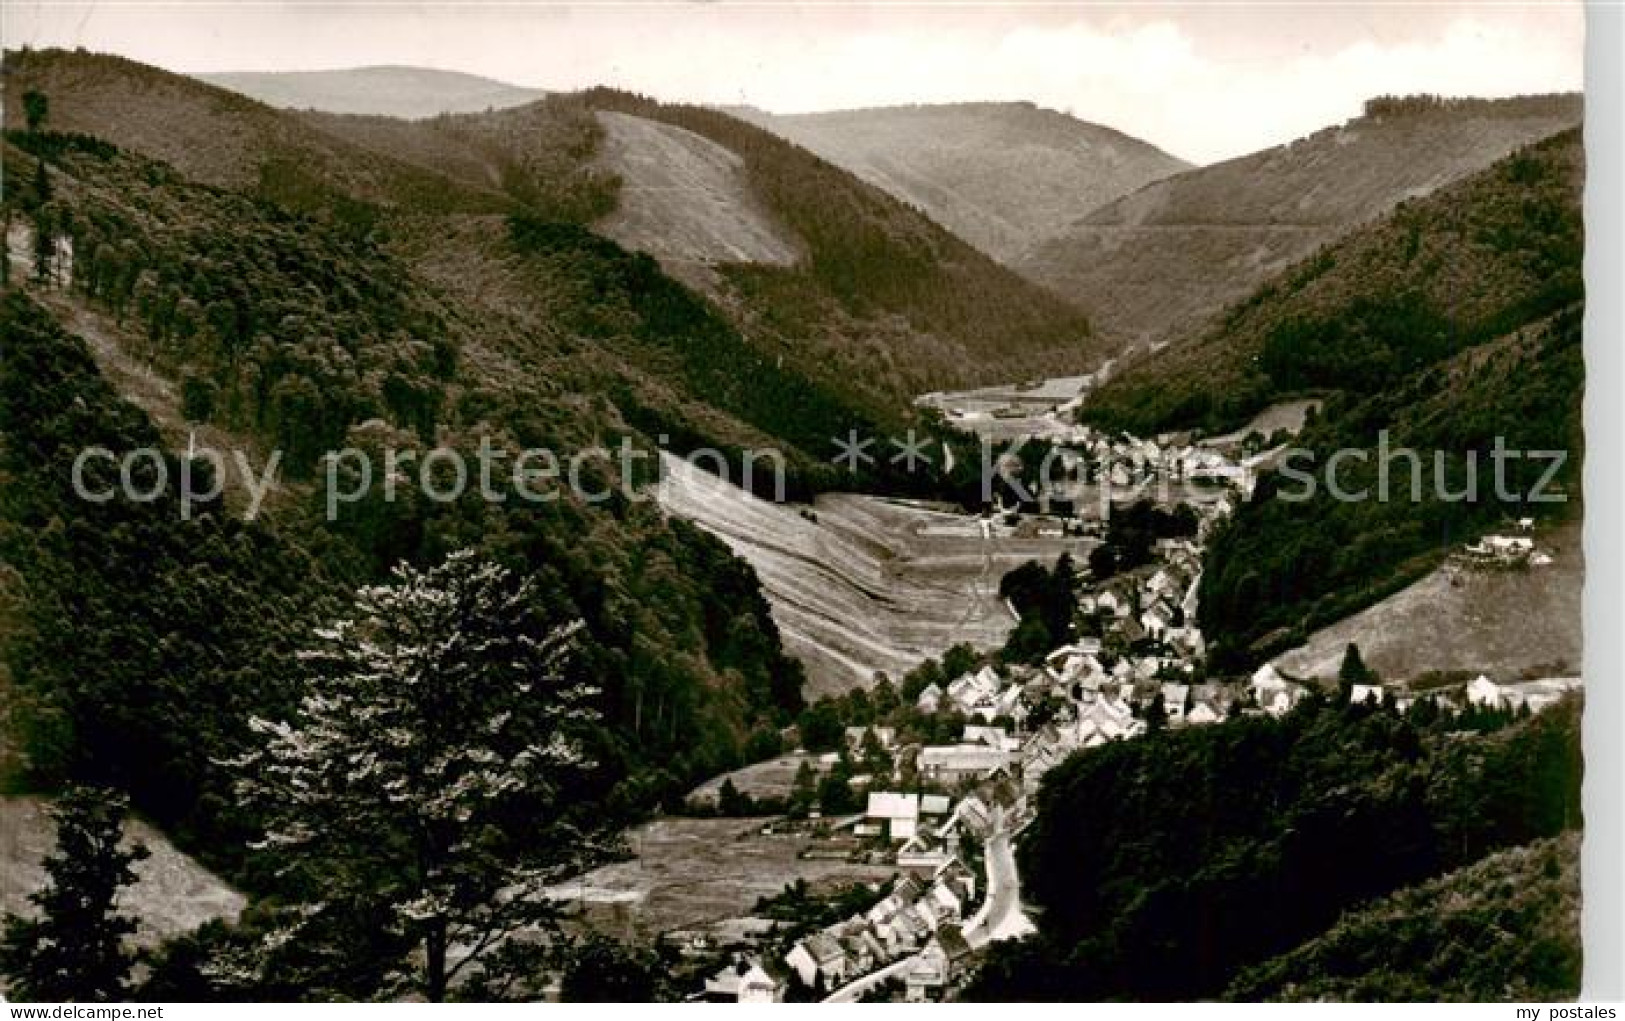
{"x": 859, "y": 584}
{"x": 1157, "y": 263}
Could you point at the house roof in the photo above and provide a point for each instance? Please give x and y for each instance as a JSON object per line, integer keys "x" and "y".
{"x": 962, "y": 757}
{"x": 823, "y": 948}
{"x": 892, "y": 805}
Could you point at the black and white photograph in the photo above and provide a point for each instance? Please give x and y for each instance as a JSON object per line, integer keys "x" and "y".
{"x": 664, "y": 501}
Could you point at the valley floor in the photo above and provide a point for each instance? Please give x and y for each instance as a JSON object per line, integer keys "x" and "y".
{"x": 698, "y": 873}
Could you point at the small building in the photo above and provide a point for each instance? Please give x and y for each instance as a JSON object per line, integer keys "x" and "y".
{"x": 1174, "y": 699}
{"x": 747, "y": 980}
{"x": 819, "y": 956}
{"x": 892, "y": 815}
{"x": 951, "y": 764}
{"x": 1363, "y": 694}
{"x": 1485, "y": 693}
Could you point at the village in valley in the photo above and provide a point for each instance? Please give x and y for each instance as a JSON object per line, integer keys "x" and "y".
{"x": 936, "y": 774}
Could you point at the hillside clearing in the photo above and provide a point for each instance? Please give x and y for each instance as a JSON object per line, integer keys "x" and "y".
{"x": 692, "y": 872}
{"x": 1499, "y": 622}
{"x": 686, "y": 200}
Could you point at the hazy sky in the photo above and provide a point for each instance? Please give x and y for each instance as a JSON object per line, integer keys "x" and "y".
{"x": 1204, "y": 80}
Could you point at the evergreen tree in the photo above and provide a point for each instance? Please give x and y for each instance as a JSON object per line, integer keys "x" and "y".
{"x": 804, "y": 790}
{"x": 730, "y": 801}
{"x": 1352, "y": 672}
{"x": 75, "y": 951}
{"x": 1156, "y": 715}
{"x": 425, "y": 779}
{"x": 35, "y": 109}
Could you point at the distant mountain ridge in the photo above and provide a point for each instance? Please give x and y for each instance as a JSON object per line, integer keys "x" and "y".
{"x": 1158, "y": 263}
{"x": 1003, "y": 176}
{"x": 412, "y": 93}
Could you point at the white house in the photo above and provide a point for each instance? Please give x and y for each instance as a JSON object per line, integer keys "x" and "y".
{"x": 949, "y": 764}
{"x": 1360, "y": 694}
{"x": 1481, "y": 691}
{"x": 1174, "y": 699}
{"x": 1201, "y": 714}
{"x": 930, "y": 699}
{"x": 819, "y": 955}
{"x": 746, "y": 981}
{"x": 894, "y": 815}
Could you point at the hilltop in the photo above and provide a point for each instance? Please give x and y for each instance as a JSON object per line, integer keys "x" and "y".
{"x": 1004, "y": 176}
{"x": 1156, "y": 264}
{"x": 846, "y": 304}
{"x": 218, "y": 137}
{"x": 412, "y": 93}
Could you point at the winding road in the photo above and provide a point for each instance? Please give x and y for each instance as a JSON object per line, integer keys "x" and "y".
{"x": 1000, "y": 917}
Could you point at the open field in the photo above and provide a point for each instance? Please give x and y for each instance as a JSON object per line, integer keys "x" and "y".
{"x": 861, "y": 584}
{"x": 693, "y": 872}
{"x": 1010, "y": 411}
{"x": 1288, "y": 415}
{"x": 1500, "y": 622}
{"x": 774, "y": 778}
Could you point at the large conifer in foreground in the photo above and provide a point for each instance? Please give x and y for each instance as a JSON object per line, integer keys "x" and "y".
{"x": 74, "y": 952}
{"x": 424, "y": 777}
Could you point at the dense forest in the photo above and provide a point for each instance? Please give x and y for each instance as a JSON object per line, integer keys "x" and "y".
{"x": 1505, "y": 928}
{"x": 1166, "y": 866}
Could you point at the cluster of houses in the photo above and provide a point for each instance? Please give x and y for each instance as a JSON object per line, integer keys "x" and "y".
{"x": 1137, "y": 672}
{"x": 1156, "y": 604}
{"x": 917, "y": 927}
{"x": 1098, "y": 469}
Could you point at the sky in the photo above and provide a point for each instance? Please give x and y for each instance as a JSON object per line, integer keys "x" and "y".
{"x": 1204, "y": 80}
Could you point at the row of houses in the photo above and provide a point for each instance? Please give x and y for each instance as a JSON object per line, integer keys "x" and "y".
{"x": 913, "y": 914}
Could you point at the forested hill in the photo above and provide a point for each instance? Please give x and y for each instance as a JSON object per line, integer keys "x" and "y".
{"x": 136, "y": 644}
{"x": 1003, "y": 176}
{"x": 879, "y": 304}
{"x": 1438, "y": 275}
{"x": 1453, "y": 321}
{"x": 1160, "y": 263}
{"x": 1168, "y": 865}
{"x": 881, "y": 294}
{"x": 1506, "y": 928}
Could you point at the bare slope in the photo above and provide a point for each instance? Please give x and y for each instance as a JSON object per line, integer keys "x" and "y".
{"x": 409, "y": 92}
{"x": 1003, "y": 176}
{"x": 1500, "y": 622}
{"x": 860, "y": 584}
{"x": 1160, "y": 260}
{"x": 685, "y": 199}
{"x": 172, "y": 894}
